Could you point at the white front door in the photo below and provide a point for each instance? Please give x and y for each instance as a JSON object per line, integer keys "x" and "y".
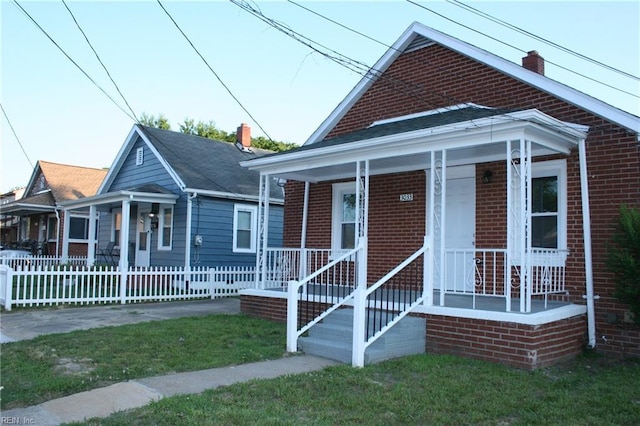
{"x": 143, "y": 239}
{"x": 460, "y": 224}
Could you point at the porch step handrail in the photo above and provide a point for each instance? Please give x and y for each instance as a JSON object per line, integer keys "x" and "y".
{"x": 293, "y": 293}
{"x": 402, "y": 310}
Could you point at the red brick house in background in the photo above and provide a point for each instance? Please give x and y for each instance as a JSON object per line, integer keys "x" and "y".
{"x": 40, "y": 218}
{"x": 482, "y": 186}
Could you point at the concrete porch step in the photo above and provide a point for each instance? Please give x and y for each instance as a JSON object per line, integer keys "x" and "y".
{"x": 332, "y": 339}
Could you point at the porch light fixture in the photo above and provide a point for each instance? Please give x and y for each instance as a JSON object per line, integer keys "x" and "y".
{"x": 487, "y": 176}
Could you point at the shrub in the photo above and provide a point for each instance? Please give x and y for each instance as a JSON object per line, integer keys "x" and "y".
{"x": 624, "y": 259}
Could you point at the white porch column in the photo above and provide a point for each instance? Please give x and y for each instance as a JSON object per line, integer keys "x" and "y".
{"x": 586, "y": 229}
{"x": 188, "y": 236}
{"x": 123, "y": 263}
{"x": 65, "y": 238}
{"x": 438, "y": 195}
{"x": 303, "y": 233}
{"x": 362, "y": 224}
{"x": 263, "y": 231}
{"x": 91, "y": 248}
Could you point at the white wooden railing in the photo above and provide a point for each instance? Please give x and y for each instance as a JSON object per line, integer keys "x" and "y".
{"x": 68, "y": 284}
{"x": 41, "y": 261}
{"x": 292, "y": 264}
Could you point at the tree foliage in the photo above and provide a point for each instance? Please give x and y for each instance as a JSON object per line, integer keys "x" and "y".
{"x": 161, "y": 122}
{"x": 210, "y": 131}
{"x": 624, "y": 259}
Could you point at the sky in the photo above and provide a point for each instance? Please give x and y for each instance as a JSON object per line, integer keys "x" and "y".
{"x": 280, "y": 87}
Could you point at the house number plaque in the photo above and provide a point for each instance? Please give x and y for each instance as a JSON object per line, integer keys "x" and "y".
{"x": 406, "y": 197}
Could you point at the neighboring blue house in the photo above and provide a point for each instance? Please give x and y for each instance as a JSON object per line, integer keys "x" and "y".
{"x": 183, "y": 200}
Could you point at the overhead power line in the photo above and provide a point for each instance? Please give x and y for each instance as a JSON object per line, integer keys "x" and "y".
{"x": 520, "y": 50}
{"x": 100, "y": 60}
{"x": 72, "y": 61}
{"x": 212, "y": 71}
{"x": 542, "y": 39}
{"x": 6, "y": 117}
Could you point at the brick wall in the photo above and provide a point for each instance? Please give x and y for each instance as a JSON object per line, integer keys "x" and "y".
{"x": 437, "y": 77}
{"x": 519, "y": 345}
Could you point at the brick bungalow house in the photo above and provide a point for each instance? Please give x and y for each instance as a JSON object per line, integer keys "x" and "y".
{"x": 39, "y": 215}
{"x": 476, "y": 192}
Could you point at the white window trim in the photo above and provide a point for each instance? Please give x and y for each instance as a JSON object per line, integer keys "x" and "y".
{"x": 556, "y": 168}
{"x": 254, "y": 225}
{"x": 336, "y": 215}
{"x": 139, "y": 156}
{"x": 78, "y": 240}
{"x": 114, "y": 216}
{"x": 161, "y": 224}
{"x": 541, "y": 169}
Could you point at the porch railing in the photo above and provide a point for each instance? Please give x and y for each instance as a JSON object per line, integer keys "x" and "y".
{"x": 386, "y": 302}
{"x": 292, "y": 264}
{"x": 68, "y": 284}
{"x": 41, "y": 261}
{"x": 324, "y": 290}
{"x": 476, "y": 272}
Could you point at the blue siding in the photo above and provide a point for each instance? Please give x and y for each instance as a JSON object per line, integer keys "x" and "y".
{"x": 211, "y": 217}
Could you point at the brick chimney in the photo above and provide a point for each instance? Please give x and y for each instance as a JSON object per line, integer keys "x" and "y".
{"x": 533, "y": 62}
{"x": 243, "y": 135}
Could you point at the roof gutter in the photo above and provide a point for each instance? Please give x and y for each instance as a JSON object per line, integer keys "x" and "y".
{"x": 232, "y": 196}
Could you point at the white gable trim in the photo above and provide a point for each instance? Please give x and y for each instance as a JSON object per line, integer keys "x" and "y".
{"x": 554, "y": 88}
{"x": 126, "y": 149}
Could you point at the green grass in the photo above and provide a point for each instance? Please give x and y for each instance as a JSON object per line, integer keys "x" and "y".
{"x": 53, "y": 366}
{"x": 416, "y": 390}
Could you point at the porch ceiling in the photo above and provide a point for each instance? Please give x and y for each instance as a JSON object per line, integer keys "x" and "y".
{"x": 469, "y": 142}
{"x": 115, "y": 199}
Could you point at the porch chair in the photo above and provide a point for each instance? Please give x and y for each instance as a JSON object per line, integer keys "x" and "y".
{"x": 110, "y": 254}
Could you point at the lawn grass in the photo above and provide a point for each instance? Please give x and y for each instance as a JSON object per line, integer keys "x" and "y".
{"x": 416, "y": 390}
{"x": 53, "y": 366}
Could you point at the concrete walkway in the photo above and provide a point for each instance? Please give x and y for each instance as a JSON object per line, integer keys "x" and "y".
{"x": 102, "y": 402}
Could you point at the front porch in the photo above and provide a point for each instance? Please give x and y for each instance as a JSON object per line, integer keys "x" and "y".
{"x": 463, "y": 223}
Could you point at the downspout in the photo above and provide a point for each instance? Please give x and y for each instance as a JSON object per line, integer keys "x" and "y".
{"x": 586, "y": 228}
{"x": 187, "y": 247}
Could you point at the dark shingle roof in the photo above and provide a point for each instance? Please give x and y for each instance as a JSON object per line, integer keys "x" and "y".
{"x": 208, "y": 164}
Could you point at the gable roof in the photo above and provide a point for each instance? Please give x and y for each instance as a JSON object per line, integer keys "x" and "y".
{"x": 198, "y": 164}
{"x": 71, "y": 182}
{"x": 418, "y": 35}
{"x": 64, "y": 182}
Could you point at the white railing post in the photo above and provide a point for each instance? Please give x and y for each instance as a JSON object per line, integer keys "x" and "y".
{"x": 292, "y": 316}
{"x": 358, "y": 348}
{"x": 427, "y": 271}
{"x": 6, "y": 285}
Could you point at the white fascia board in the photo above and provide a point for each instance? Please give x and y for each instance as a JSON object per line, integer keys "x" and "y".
{"x": 450, "y": 136}
{"x": 117, "y": 161}
{"x": 119, "y": 196}
{"x": 176, "y": 178}
{"x": 231, "y": 195}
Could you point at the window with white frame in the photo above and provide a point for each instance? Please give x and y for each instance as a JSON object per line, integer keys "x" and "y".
{"x": 548, "y": 205}
{"x": 52, "y": 228}
{"x": 116, "y": 225}
{"x": 343, "y": 229}
{"x": 244, "y": 228}
{"x": 165, "y": 227}
{"x": 78, "y": 228}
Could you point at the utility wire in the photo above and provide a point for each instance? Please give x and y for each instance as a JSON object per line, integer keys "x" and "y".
{"x": 70, "y": 59}
{"x": 100, "y": 60}
{"x": 213, "y": 72}
{"x": 16, "y": 135}
{"x": 520, "y": 50}
{"x": 339, "y": 24}
{"x": 551, "y": 43}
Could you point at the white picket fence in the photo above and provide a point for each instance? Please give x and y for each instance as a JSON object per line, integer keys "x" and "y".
{"x": 28, "y": 285}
